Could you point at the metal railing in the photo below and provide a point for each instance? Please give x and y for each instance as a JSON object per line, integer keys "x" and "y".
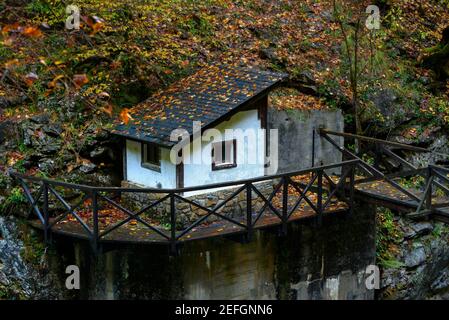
{"x": 92, "y": 199}
{"x": 435, "y": 177}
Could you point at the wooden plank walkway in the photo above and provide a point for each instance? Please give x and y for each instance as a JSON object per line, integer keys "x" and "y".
{"x": 382, "y": 193}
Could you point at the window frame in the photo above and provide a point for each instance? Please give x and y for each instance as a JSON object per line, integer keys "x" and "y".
{"x": 227, "y": 165}
{"x": 155, "y": 166}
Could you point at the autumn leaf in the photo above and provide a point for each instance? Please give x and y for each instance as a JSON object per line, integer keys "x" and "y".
{"x": 125, "y": 116}
{"x": 10, "y": 27}
{"x": 94, "y": 22}
{"x": 11, "y": 64}
{"x": 8, "y": 41}
{"x": 87, "y": 202}
{"x": 80, "y": 80}
{"x": 30, "y": 78}
{"x": 70, "y": 167}
{"x": 103, "y": 95}
{"x": 54, "y": 82}
{"x": 13, "y": 157}
{"x": 32, "y": 32}
{"x": 108, "y": 109}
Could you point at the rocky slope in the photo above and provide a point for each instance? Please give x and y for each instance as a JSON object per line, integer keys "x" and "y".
{"x": 419, "y": 267}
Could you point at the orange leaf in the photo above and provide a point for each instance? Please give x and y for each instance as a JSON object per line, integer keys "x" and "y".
{"x": 108, "y": 109}
{"x": 80, "y": 80}
{"x": 10, "y": 27}
{"x": 125, "y": 116}
{"x": 11, "y": 64}
{"x": 53, "y": 83}
{"x": 32, "y": 32}
{"x": 94, "y": 22}
{"x": 87, "y": 202}
{"x": 30, "y": 78}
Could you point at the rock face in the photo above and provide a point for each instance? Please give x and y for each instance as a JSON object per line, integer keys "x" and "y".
{"x": 42, "y": 143}
{"x": 423, "y": 271}
{"x": 415, "y": 257}
{"x": 440, "y": 148}
{"x": 392, "y": 107}
{"x": 18, "y": 278}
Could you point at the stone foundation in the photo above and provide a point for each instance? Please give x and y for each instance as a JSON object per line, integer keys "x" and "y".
{"x": 188, "y": 213}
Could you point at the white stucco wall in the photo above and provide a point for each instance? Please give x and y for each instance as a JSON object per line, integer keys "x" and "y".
{"x": 147, "y": 177}
{"x": 201, "y": 174}
{"x": 249, "y": 158}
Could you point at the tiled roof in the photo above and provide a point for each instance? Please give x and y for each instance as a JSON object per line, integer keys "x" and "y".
{"x": 205, "y": 96}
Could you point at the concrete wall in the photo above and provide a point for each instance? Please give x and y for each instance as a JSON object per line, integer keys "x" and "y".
{"x": 147, "y": 177}
{"x": 309, "y": 263}
{"x": 296, "y": 135}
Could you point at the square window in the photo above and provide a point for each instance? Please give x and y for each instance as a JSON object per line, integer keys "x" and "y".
{"x": 224, "y": 154}
{"x": 151, "y": 156}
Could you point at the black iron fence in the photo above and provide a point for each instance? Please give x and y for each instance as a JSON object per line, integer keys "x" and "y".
{"x": 314, "y": 188}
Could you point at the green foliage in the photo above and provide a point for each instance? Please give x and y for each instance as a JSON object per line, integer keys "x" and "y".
{"x": 416, "y": 182}
{"x": 440, "y": 230}
{"x": 50, "y": 11}
{"x": 387, "y": 238}
{"x": 368, "y": 159}
{"x": 11, "y": 292}
{"x": 197, "y": 25}
{"x": 391, "y": 264}
{"x": 19, "y": 166}
{"x": 14, "y": 200}
{"x": 4, "y": 179}
{"x": 435, "y": 110}
{"x": 34, "y": 248}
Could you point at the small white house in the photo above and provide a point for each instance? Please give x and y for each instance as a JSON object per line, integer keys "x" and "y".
{"x": 229, "y": 107}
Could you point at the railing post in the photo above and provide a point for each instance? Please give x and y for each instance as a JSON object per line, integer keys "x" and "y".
{"x": 351, "y": 190}
{"x": 284, "y": 205}
{"x": 46, "y": 213}
{"x": 320, "y": 197}
{"x": 94, "y": 238}
{"x": 428, "y": 195}
{"x": 377, "y": 157}
{"x": 249, "y": 212}
{"x": 313, "y": 147}
{"x": 173, "y": 242}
